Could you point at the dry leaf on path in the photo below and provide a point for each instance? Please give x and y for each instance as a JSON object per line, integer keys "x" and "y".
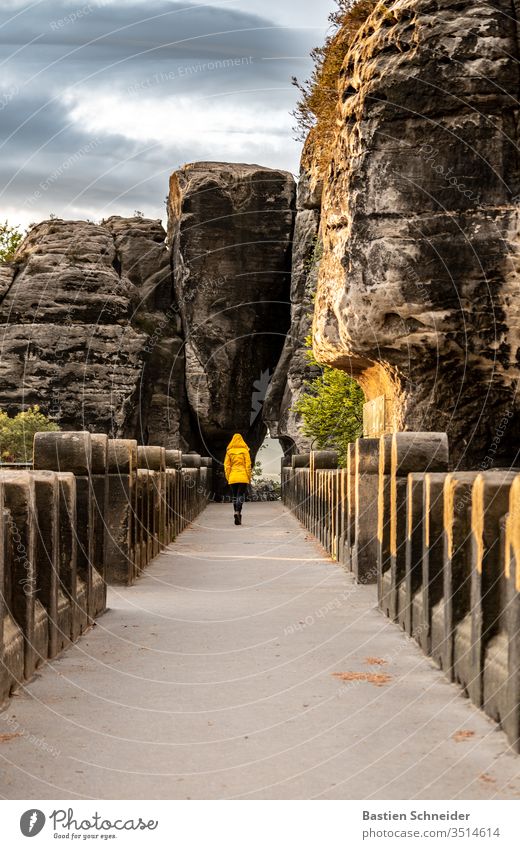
{"x": 459, "y": 736}
{"x": 4, "y": 738}
{"x": 375, "y": 661}
{"x": 379, "y": 679}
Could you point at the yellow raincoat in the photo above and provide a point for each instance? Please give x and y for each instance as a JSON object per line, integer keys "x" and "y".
{"x": 237, "y": 464}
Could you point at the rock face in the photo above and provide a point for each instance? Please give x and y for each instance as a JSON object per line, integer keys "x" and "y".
{"x": 230, "y": 231}
{"x": 88, "y": 331}
{"x": 163, "y": 413}
{"x": 293, "y": 368}
{"x": 107, "y": 329}
{"x": 418, "y": 285}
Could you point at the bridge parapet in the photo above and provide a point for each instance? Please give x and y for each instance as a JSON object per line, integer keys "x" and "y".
{"x": 443, "y": 548}
{"x": 91, "y": 511}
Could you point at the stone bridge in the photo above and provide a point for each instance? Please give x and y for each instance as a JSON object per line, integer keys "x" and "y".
{"x": 151, "y": 649}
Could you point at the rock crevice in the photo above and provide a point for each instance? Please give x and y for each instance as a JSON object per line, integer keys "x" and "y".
{"x": 294, "y": 368}
{"x": 230, "y": 232}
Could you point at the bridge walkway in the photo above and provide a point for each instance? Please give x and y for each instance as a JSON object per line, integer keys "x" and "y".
{"x": 246, "y": 664}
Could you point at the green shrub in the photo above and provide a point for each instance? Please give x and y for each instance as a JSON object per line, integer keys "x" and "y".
{"x": 17, "y": 434}
{"x": 10, "y": 238}
{"x": 331, "y": 409}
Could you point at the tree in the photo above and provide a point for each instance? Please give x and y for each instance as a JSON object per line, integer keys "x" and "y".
{"x": 10, "y": 238}
{"x": 332, "y": 409}
{"x": 17, "y": 434}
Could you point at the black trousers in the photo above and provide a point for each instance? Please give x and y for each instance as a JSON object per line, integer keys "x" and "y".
{"x": 238, "y": 491}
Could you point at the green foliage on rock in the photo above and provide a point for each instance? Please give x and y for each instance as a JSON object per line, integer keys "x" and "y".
{"x": 316, "y": 109}
{"x": 17, "y": 434}
{"x": 10, "y": 238}
{"x": 331, "y": 409}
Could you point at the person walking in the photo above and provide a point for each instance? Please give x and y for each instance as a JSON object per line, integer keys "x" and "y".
{"x": 237, "y": 467}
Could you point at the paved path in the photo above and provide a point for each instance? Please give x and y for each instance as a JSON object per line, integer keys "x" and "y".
{"x": 214, "y": 677}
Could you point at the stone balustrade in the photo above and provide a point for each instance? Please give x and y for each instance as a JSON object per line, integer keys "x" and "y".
{"x": 443, "y": 548}
{"x": 91, "y": 511}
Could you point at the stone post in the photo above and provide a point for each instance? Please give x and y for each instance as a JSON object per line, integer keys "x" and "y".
{"x": 119, "y": 530}
{"x": 319, "y": 461}
{"x": 68, "y": 552}
{"x": 326, "y": 509}
{"x": 336, "y": 475}
{"x": 49, "y": 591}
{"x": 191, "y": 464}
{"x": 342, "y": 521}
{"x": 99, "y": 481}
{"x": 410, "y": 587}
{"x": 313, "y": 512}
{"x": 27, "y": 611}
{"x": 430, "y": 598}
{"x": 12, "y": 644}
{"x": 5, "y": 683}
{"x": 349, "y": 508}
{"x": 409, "y": 452}
{"x": 450, "y": 621}
{"x": 508, "y": 691}
{"x": 202, "y": 488}
{"x": 321, "y": 506}
{"x": 383, "y": 524}
{"x": 365, "y": 486}
{"x": 190, "y": 477}
{"x": 207, "y": 478}
{"x": 490, "y": 503}
{"x": 142, "y": 542}
{"x": 72, "y": 452}
{"x": 153, "y": 458}
{"x": 191, "y": 461}
{"x": 300, "y": 461}
{"x": 169, "y": 500}
{"x": 174, "y": 461}
{"x": 207, "y": 465}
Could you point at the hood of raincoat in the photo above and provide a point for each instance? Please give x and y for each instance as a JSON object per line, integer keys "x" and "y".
{"x": 237, "y": 442}
{"x": 237, "y": 464}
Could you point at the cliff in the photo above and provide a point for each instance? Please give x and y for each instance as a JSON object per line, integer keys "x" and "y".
{"x": 417, "y": 284}
{"x": 86, "y": 332}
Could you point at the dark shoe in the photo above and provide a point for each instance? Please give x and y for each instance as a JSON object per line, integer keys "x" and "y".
{"x": 237, "y": 519}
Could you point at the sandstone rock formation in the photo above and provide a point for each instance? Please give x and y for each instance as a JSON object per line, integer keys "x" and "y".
{"x": 86, "y": 333}
{"x": 293, "y": 368}
{"x": 418, "y": 284}
{"x": 164, "y": 416}
{"x": 230, "y": 231}
{"x": 107, "y": 329}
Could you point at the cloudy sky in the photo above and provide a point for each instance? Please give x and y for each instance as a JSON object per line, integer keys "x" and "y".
{"x": 100, "y": 100}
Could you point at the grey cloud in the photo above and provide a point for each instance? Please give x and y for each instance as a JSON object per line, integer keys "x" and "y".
{"x": 128, "y": 35}
{"x": 126, "y": 49}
